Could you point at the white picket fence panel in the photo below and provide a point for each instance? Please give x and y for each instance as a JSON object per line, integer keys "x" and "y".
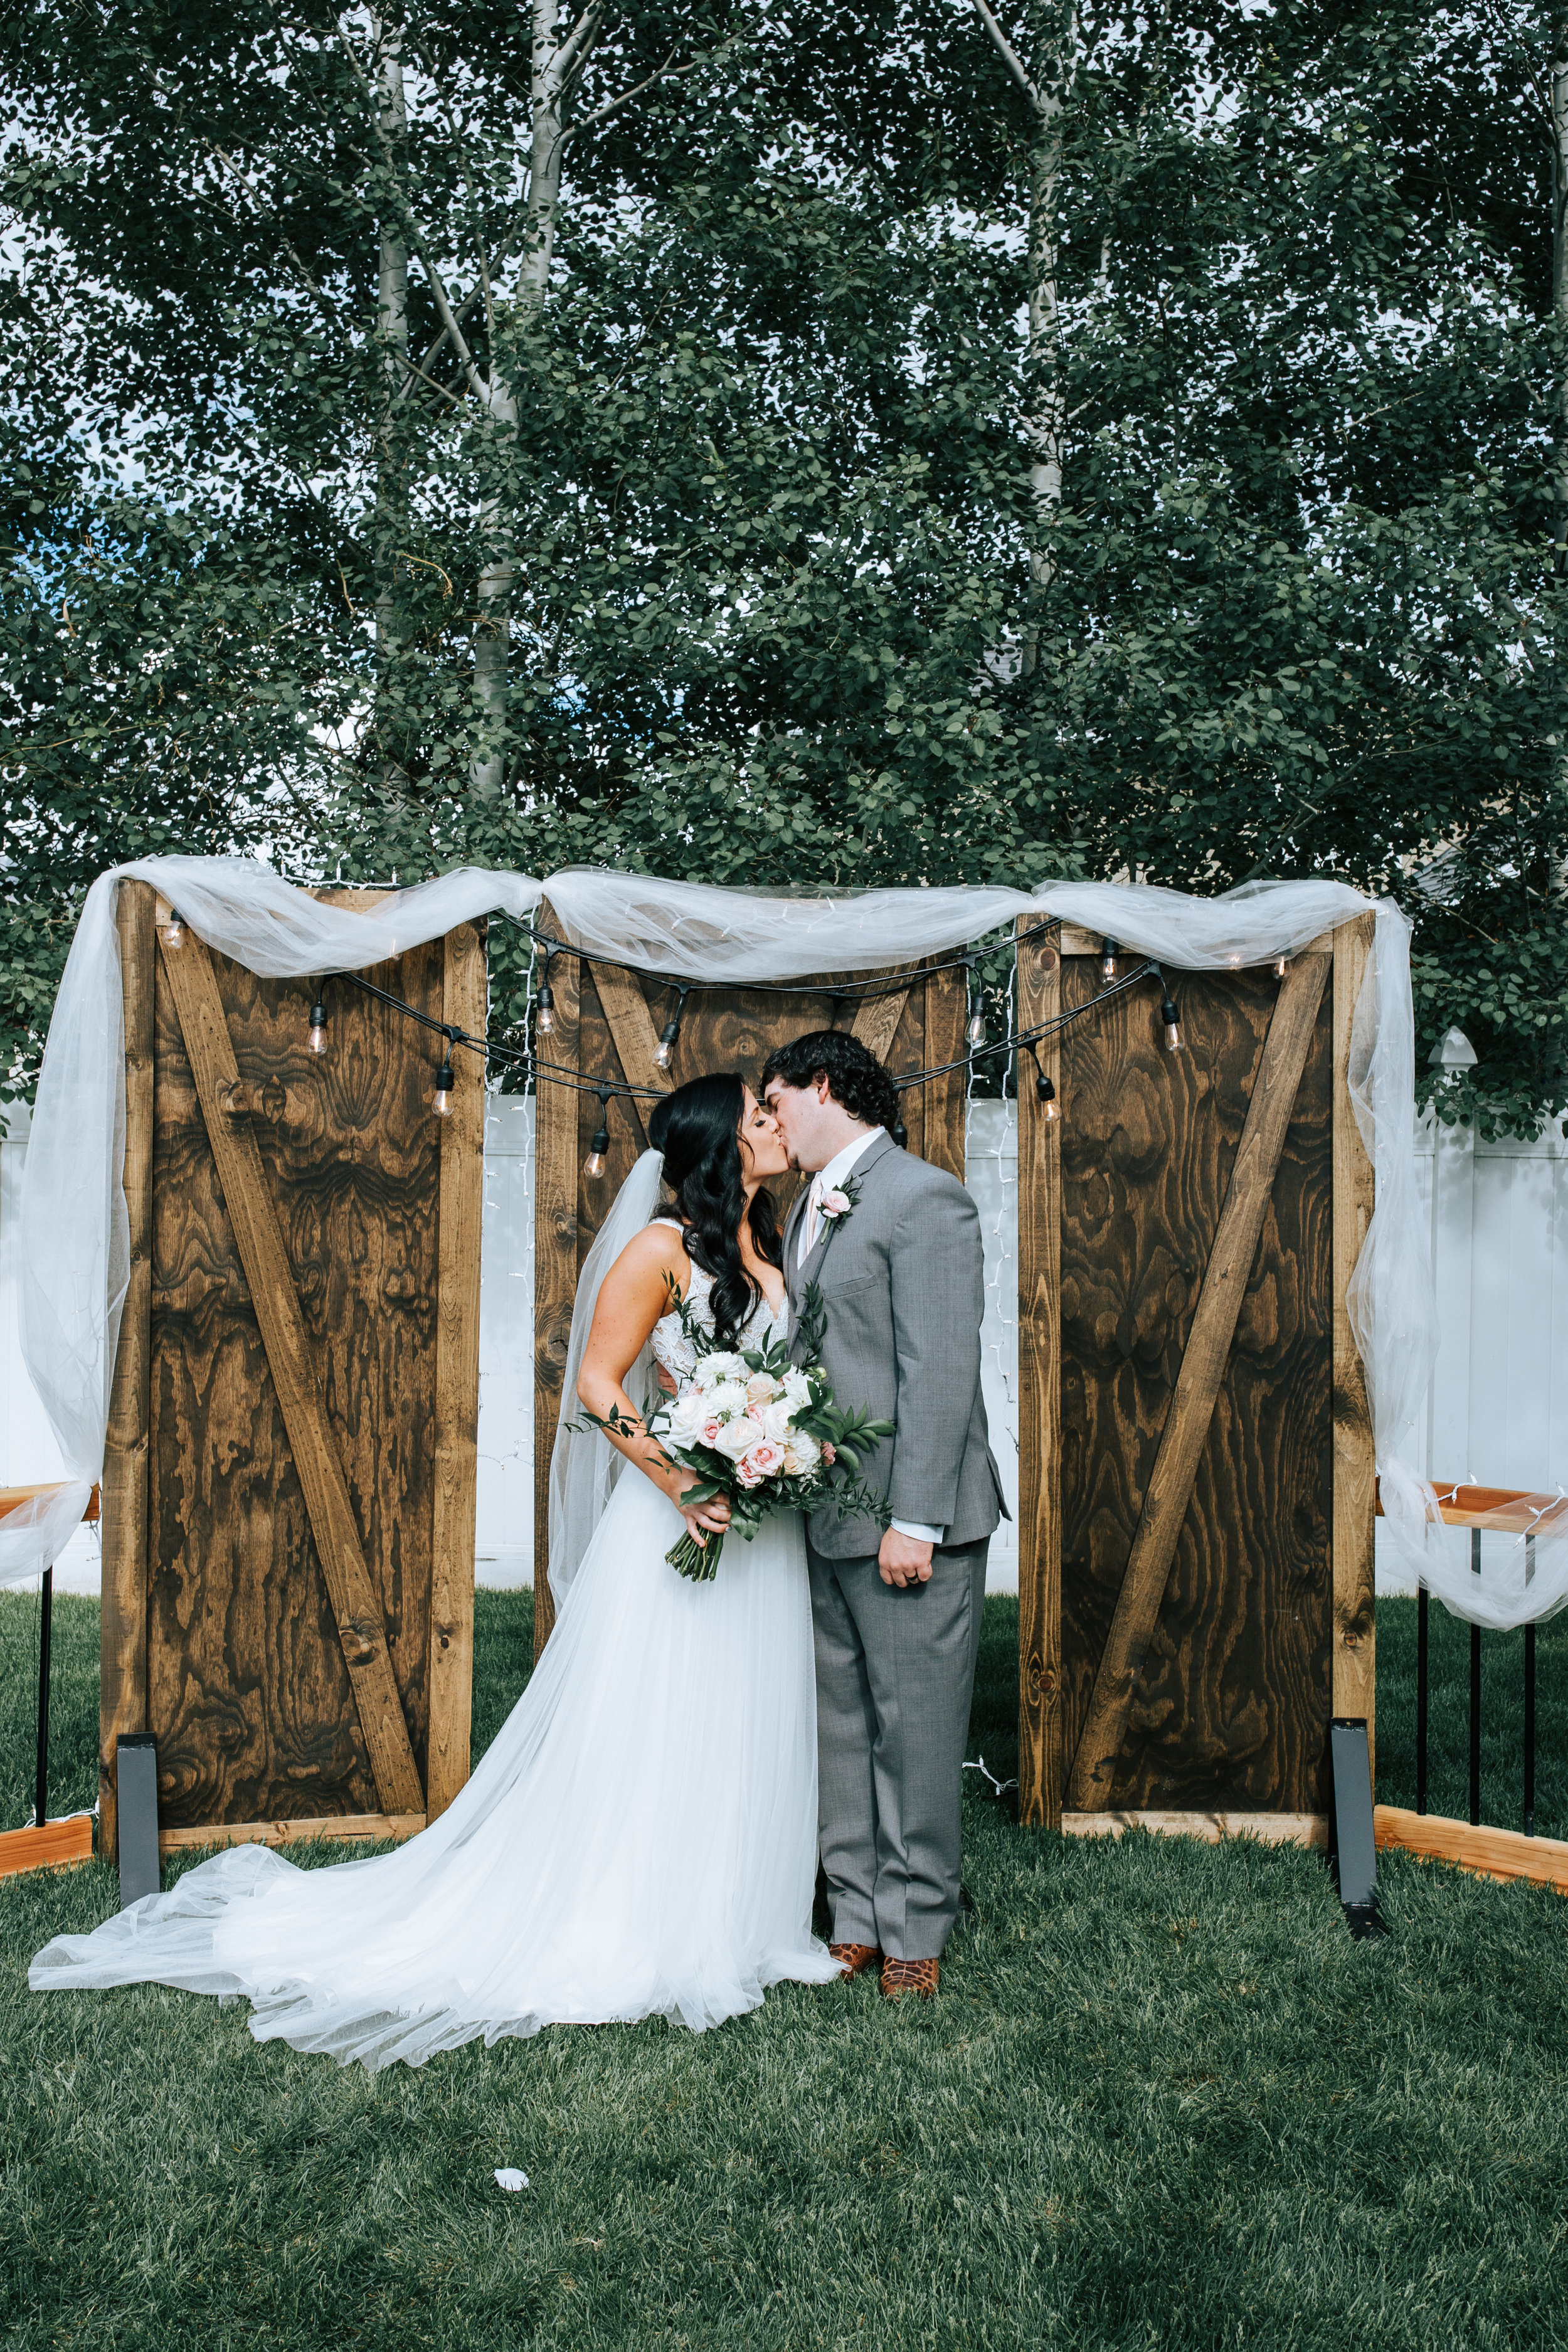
{"x": 1498, "y": 1409}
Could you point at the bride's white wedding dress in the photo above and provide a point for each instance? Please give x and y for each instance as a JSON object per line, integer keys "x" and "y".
{"x": 639, "y": 1841}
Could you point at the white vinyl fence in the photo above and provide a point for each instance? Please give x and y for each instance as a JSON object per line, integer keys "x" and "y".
{"x": 1498, "y": 1411}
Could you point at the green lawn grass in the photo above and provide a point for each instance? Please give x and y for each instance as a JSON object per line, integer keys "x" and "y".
{"x": 1163, "y": 2100}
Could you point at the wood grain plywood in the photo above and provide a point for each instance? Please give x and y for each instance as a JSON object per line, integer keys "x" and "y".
{"x": 248, "y": 1691}
{"x": 1234, "y": 1698}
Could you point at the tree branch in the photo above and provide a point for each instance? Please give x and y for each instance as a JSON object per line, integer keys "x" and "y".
{"x": 666, "y": 72}
{"x": 1010, "y": 58}
{"x": 572, "y": 55}
{"x": 475, "y": 382}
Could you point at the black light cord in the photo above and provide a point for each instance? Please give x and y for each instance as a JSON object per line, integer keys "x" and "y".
{"x": 557, "y": 1074}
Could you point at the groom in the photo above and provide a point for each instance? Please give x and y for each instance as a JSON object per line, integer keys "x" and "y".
{"x": 893, "y": 1247}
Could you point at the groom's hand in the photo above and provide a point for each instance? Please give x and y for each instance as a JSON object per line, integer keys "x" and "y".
{"x": 903, "y": 1560}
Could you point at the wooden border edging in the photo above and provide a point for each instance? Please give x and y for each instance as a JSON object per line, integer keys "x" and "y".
{"x": 56, "y": 1846}
{"x": 330, "y": 1825}
{"x": 1486, "y": 1853}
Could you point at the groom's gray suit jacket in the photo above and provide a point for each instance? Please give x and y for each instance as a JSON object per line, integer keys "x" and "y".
{"x": 903, "y": 1289}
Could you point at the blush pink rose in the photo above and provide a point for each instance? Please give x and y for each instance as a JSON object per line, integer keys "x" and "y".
{"x": 833, "y": 1202}
{"x": 766, "y": 1459}
{"x": 748, "y": 1474}
{"x": 709, "y": 1433}
{"x": 828, "y": 1456}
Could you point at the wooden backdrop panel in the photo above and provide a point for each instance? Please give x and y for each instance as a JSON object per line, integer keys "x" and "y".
{"x": 607, "y": 1025}
{"x": 1234, "y": 1700}
{"x": 248, "y": 1689}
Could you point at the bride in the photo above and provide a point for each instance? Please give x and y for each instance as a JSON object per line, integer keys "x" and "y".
{"x": 640, "y": 1840}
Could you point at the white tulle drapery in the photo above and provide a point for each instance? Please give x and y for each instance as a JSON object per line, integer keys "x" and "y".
{"x": 74, "y": 1239}
{"x": 584, "y": 1468}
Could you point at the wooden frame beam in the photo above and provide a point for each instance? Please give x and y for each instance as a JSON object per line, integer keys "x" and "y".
{"x": 555, "y": 1256}
{"x": 1040, "y": 1402}
{"x": 123, "y": 1678}
{"x": 293, "y": 1833}
{"x": 451, "y": 1671}
{"x": 1269, "y": 1829}
{"x": 1354, "y": 1667}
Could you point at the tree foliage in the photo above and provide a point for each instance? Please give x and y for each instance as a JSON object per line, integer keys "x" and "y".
{"x": 907, "y": 451}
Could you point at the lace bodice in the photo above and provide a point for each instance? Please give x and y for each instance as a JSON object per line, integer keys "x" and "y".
{"x": 670, "y": 1345}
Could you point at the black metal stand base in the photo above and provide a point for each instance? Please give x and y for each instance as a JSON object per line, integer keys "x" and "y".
{"x": 1352, "y": 1850}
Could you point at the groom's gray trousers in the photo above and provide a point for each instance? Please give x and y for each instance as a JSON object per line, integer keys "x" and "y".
{"x": 895, "y": 1672}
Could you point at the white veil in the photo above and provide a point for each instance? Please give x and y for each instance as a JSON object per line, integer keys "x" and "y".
{"x": 585, "y": 1466}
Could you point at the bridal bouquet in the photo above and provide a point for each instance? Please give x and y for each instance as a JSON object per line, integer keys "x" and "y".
{"x": 762, "y": 1431}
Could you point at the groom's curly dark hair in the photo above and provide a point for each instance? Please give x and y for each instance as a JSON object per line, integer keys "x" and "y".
{"x": 856, "y": 1079}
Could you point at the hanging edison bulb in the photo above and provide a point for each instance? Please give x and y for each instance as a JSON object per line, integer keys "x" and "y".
{"x": 669, "y": 1036}
{"x": 446, "y": 1079}
{"x": 599, "y": 1147}
{"x": 900, "y": 1133}
{"x": 174, "y": 929}
{"x": 544, "y": 1007}
{"x": 974, "y": 1027}
{"x": 316, "y": 1038}
{"x": 1173, "y": 1025}
{"x": 1046, "y": 1095}
{"x": 1281, "y": 966}
{"x": 1108, "y": 960}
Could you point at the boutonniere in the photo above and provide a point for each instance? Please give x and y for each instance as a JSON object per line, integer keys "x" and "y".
{"x": 839, "y": 1201}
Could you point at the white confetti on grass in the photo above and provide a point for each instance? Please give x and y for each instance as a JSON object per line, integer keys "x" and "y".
{"x": 509, "y": 2177}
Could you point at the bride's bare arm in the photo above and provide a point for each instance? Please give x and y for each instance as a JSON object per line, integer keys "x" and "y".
{"x": 632, "y": 1298}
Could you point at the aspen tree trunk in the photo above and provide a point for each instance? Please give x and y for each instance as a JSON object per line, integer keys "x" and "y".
{"x": 1045, "y": 82}
{"x": 1560, "y": 289}
{"x": 1043, "y": 418}
{"x": 557, "y": 60}
{"x": 392, "y": 333}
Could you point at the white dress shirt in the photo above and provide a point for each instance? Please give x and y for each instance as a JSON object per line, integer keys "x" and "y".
{"x": 836, "y": 1169}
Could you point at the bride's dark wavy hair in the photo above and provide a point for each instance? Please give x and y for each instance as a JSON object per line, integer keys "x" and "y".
{"x": 697, "y": 1129}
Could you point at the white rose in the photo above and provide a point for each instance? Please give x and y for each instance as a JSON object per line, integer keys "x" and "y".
{"x": 684, "y": 1418}
{"x": 739, "y": 1436}
{"x": 797, "y": 1387}
{"x": 776, "y": 1418}
{"x": 762, "y": 1388}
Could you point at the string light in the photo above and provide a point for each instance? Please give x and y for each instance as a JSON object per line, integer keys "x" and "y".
{"x": 446, "y": 1079}
{"x": 317, "y": 1038}
{"x": 1046, "y": 1093}
{"x": 544, "y": 1002}
{"x": 174, "y": 929}
{"x": 900, "y": 1133}
{"x": 598, "y": 1149}
{"x": 975, "y": 1028}
{"x": 1168, "y": 1013}
{"x": 1108, "y": 958}
{"x": 1281, "y": 966}
{"x": 526, "y": 1058}
{"x": 669, "y": 1037}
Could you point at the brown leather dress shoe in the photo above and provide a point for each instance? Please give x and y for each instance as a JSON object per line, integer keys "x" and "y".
{"x": 909, "y": 1975}
{"x": 853, "y": 1958}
